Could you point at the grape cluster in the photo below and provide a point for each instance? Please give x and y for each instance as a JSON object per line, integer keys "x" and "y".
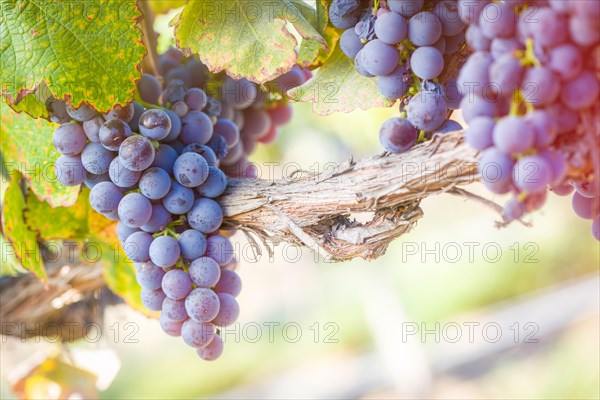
{"x": 403, "y": 43}
{"x": 157, "y": 167}
{"x": 530, "y": 96}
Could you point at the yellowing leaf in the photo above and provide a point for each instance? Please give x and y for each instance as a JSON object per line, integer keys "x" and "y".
{"x": 246, "y": 38}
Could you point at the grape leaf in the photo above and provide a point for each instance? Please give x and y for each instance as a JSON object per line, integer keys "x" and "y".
{"x": 119, "y": 276}
{"x": 338, "y": 87}
{"x": 309, "y": 54}
{"x": 78, "y": 221}
{"x": 22, "y": 239}
{"x": 10, "y": 265}
{"x": 26, "y": 146}
{"x": 83, "y": 50}
{"x": 246, "y": 38}
{"x": 162, "y": 6}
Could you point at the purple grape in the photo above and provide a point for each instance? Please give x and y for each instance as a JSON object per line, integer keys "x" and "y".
{"x": 239, "y": 94}
{"x": 586, "y": 189}
{"x": 121, "y": 176}
{"x": 229, "y": 282}
{"x": 91, "y": 180}
{"x": 448, "y": 13}
{"x": 176, "y": 126}
{"x": 540, "y": 86}
{"x": 174, "y": 310}
{"x": 164, "y": 158}
{"x": 256, "y": 123}
{"x": 155, "y": 124}
{"x": 176, "y": 284}
{"x": 449, "y": 126}
{"x": 505, "y": 75}
{"x": 360, "y": 65}
{"x": 81, "y": 114}
{"x": 112, "y": 133}
{"x": 424, "y": 29}
{"x": 581, "y": 92}
{"x": 532, "y": 174}
{"x": 350, "y": 43}
{"x": 137, "y": 246}
{"x": 513, "y": 210}
{"x": 407, "y": 8}
{"x": 497, "y": 20}
{"x": 164, "y": 251}
{"x": 69, "y": 170}
{"x": 477, "y": 106}
{"x": 138, "y": 110}
{"x": 219, "y": 147}
{"x": 379, "y": 58}
{"x": 212, "y": 351}
{"x": 558, "y": 165}
{"x": 190, "y": 169}
{"x": 584, "y": 30}
{"x": 426, "y": 111}
{"x": 220, "y": 249}
{"x": 149, "y": 88}
{"x": 397, "y": 135}
{"x": 92, "y": 127}
{"x": 197, "y": 128}
{"x": 124, "y": 113}
{"x": 470, "y": 10}
{"x": 136, "y": 153}
{"x": 544, "y": 127}
{"x": 473, "y": 78}
{"x": 180, "y": 108}
{"x": 179, "y": 200}
{"x": 155, "y": 183}
{"x": 153, "y": 299}
{"x": 206, "y": 215}
{"x": 454, "y": 43}
{"x": 512, "y": 134}
{"x": 495, "y": 169}
{"x": 206, "y": 152}
{"x": 175, "y": 90}
{"x": 105, "y": 197}
{"x": 202, "y": 305}
{"x": 452, "y": 94}
{"x": 344, "y": 14}
{"x": 427, "y": 62}
{"x": 583, "y": 206}
{"x": 502, "y": 46}
{"x": 390, "y": 28}
{"x": 69, "y": 139}
{"x": 123, "y": 231}
{"x": 479, "y": 134}
{"x": 204, "y": 272}
{"x": 170, "y": 327}
{"x": 197, "y": 334}
{"x": 396, "y": 84}
{"x": 476, "y": 39}
{"x": 192, "y": 244}
{"x": 135, "y": 210}
{"x": 96, "y": 158}
{"x": 149, "y": 276}
{"x": 196, "y": 99}
{"x": 228, "y": 130}
{"x": 440, "y": 45}
{"x": 229, "y": 310}
{"x": 214, "y": 185}
{"x": 159, "y": 220}
{"x": 563, "y": 189}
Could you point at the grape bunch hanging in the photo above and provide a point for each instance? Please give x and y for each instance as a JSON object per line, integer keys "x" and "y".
{"x": 158, "y": 166}
{"x": 403, "y": 43}
{"x": 530, "y": 96}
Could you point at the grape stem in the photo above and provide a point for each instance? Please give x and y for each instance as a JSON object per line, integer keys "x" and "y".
{"x": 149, "y": 39}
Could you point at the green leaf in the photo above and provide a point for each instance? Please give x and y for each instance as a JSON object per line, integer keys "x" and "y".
{"x": 162, "y": 6}
{"x": 310, "y": 55}
{"x": 27, "y": 147}
{"x": 119, "y": 276}
{"x": 332, "y": 36}
{"x": 246, "y": 38}
{"x": 10, "y": 265}
{"x": 84, "y": 51}
{"x": 78, "y": 221}
{"x": 338, "y": 87}
{"x": 22, "y": 240}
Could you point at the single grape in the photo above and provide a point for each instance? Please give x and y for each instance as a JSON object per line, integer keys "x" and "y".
{"x": 138, "y": 110}
{"x": 90, "y": 180}
{"x": 229, "y": 310}
{"x": 584, "y": 30}
{"x": 219, "y": 147}
{"x": 448, "y": 13}
{"x": 105, "y": 197}
{"x": 228, "y": 130}
{"x": 155, "y": 124}
{"x": 202, "y": 305}
{"x": 164, "y": 251}
{"x": 149, "y": 88}
{"x": 280, "y": 114}
{"x": 239, "y": 94}
{"x": 390, "y": 28}
{"x": 170, "y": 327}
{"x": 212, "y": 351}
{"x": 470, "y": 10}
{"x": 229, "y": 282}
{"x": 204, "y": 272}
{"x": 532, "y": 174}
{"x": 197, "y": 128}
{"x": 512, "y": 134}
{"x": 427, "y": 62}
{"x": 476, "y": 39}
{"x": 136, "y": 153}
{"x": 175, "y": 90}
{"x": 505, "y": 75}
{"x": 424, "y": 29}
{"x": 137, "y": 246}
{"x": 502, "y": 46}
{"x": 121, "y": 176}
{"x": 397, "y": 135}
{"x": 452, "y": 94}
{"x": 558, "y": 164}
{"x": 153, "y": 299}
{"x": 96, "y": 158}
{"x": 581, "y": 92}
{"x": 583, "y": 206}
{"x": 135, "y": 210}
{"x": 344, "y": 14}
{"x": 81, "y": 114}
{"x": 196, "y": 99}
{"x": 91, "y": 128}
{"x": 449, "y": 126}
{"x": 256, "y": 123}
{"x": 396, "y": 84}
{"x": 427, "y": 111}
{"x": 480, "y": 133}
{"x": 205, "y": 151}
{"x": 190, "y": 169}
{"x": 513, "y": 210}
{"x": 179, "y": 200}
{"x": 69, "y": 170}
{"x": 69, "y": 139}
{"x": 112, "y": 133}
{"x": 544, "y": 127}
{"x": 123, "y": 232}
{"x": 290, "y": 80}
{"x": 176, "y": 284}
{"x": 407, "y": 8}
{"x": 164, "y": 158}
{"x": 586, "y": 189}
{"x": 159, "y": 220}
{"x": 540, "y": 86}
{"x": 350, "y": 43}
{"x": 192, "y": 244}
{"x": 174, "y": 310}
{"x": 220, "y": 249}
{"x": 473, "y": 78}
{"x": 497, "y": 20}
{"x": 477, "y": 106}
{"x": 495, "y": 169}
{"x": 440, "y": 45}
{"x": 197, "y": 334}
{"x": 124, "y": 113}
{"x": 550, "y": 28}
{"x": 206, "y": 215}
{"x": 563, "y": 189}
{"x": 180, "y": 108}
{"x": 360, "y": 65}
{"x": 155, "y": 183}
{"x": 214, "y": 185}
{"x": 379, "y": 58}
{"x": 149, "y": 276}
{"x": 176, "y": 126}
